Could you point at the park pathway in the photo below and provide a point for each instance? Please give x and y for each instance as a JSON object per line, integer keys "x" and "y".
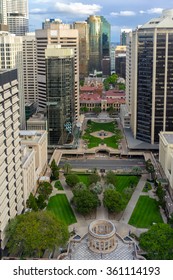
{"x": 132, "y": 202}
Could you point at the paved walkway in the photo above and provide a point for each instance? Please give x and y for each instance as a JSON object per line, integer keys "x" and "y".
{"x": 132, "y": 202}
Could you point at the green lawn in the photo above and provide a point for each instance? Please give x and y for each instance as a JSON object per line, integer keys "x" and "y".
{"x": 84, "y": 178}
{"x": 94, "y": 126}
{"x": 58, "y": 185}
{"x": 125, "y": 181}
{"x": 95, "y": 141}
{"x": 146, "y": 213}
{"x": 60, "y": 206}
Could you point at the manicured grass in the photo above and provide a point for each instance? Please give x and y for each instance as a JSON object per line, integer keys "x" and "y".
{"x": 58, "y": 185}
{"x": 84, "y": 178}
{"x": 60, "y": 206}
{"x": 126, "y": 181}
{"x": 95, "y": 141}
{"x": 94, "y": 126}
{"x": 146, "y": 213}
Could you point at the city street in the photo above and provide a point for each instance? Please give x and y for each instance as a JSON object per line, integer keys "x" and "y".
{"x": 105, "y": 163}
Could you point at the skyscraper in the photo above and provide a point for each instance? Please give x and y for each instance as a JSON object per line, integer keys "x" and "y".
{"x": 11, "y": 56}
{"x": 11, "y": 186}
{"x": 60, "y": 94}
{"x": 99, "y": 41}
{"x": 68, "y": 38}
{"x": 15, "y": 14}
{"x": 152, "y": 73}
{"x": 3, "y": 12}
{"x": 30, "y": 67}
{"x": 83, "y": 29}
{"x": 123, "y": 36}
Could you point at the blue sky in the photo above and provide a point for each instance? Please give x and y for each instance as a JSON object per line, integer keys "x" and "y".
{"x": 120, "y": 14}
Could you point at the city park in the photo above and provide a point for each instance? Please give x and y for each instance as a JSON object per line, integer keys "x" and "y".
{"x": 130, "y": 199}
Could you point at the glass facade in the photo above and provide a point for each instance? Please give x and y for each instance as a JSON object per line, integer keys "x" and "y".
{"x": 144, "y": 86}
{"x": 99, "y": 41}
{"x": 154, "y": 92}
{"x": 60, "y": 99}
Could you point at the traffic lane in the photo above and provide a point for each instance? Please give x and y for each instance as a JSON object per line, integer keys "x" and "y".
{"x": 106, "y": 164}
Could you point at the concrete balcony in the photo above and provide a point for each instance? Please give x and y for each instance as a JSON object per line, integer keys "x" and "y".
{"x": 4, "y": 192}
{"x": 8, "y": 122}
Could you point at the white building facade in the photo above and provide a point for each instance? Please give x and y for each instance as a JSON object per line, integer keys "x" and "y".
{"x": 11, "y": 50}
{"x": 11, "y": 185}
{"x": 30, "y": 67}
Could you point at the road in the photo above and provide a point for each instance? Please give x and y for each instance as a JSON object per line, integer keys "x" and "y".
{"x": 108, "y": 164}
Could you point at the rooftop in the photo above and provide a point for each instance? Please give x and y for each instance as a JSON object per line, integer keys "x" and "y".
{"x": 168, "y": 137}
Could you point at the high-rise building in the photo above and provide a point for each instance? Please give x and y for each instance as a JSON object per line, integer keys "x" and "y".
{"x": 11, "y": 186}
{"x": 152, "y": 73}
{"x": 60, "y": 94}
{"x": 68, "y": 38}
{"x": 3, "y": 12}
{"x": 123, "y": 36}
{"x": 17, "y": 16}
{"x": 83, "y": 29}
{"x": 99, "y": 41}
{"x": 30, "y": 67}
{"x": 129, "y": 70}
{"x": 120, "y": 61}
{"x": 11, "y": 56}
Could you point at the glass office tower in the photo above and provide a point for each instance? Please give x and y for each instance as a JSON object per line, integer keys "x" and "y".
{"x": 152, "y": 59}
{"x": 99, "y": 41}
{"x": 60, "y": 94}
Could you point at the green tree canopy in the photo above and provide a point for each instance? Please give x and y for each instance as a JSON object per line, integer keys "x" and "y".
{"x": 72, "y": 180}
{"x": 67, "y": 168}
{"x": 32, "y": 202}
{"x": 158, "y": 242}
{"x": 85, "y": 201}
{"x": 94, "y": 178}
{"x": 31, "y": 233}
{"x": 45, "y": 189}
{"x": 113, "y": 201}
{"x": 55, "y": 170}
{"x": 110, "y": 178}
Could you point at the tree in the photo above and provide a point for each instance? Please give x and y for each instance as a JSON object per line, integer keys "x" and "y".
{"x": 79, "y": 186}
{"x": 158, "y": 242}
{"x": 96, "y": 188}
{"x": 85, "y": 201}
{"x": 96, "y": 110}
{"x": 84, "y": 110}
{"x": 161, "y": 194}
{"x": 67, "y": 168}
{"x": 32, "y": 202}
{"x": 55, "y": 170}
{"x": 94, "y": 178}
{"x": 72, "y": 180}
{"x": 150, "y": 168}
{"x": 110, "y": 110}
{"x": 110, "y": 178}
{"x": 45, "y": 189}
{"x": 41, "y": 202}
{"x": 31, "y": 233}
{"x": 113, "y": 201}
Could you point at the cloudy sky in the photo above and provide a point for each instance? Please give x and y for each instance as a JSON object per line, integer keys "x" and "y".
{"x": 120, "y": 13}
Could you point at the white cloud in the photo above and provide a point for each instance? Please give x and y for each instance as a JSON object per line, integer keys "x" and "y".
{"x": 77, "y": 8}
{"x": 155, "y": 11}
{"x": 123, "y": 13}
{"x": 152, "y": 11}
{"x": 38, "y": 11}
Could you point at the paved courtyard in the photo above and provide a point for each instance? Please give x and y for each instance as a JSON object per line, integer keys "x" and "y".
{"x": 80, "y": 251}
